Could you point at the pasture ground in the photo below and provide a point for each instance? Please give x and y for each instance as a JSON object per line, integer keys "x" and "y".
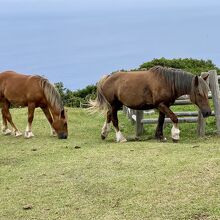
{"x": 84, "y": 177}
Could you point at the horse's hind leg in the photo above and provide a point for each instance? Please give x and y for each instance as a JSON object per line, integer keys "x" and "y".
{"x": 106, "y": 126}
{"x": 28, "y": 132}
{"x": 8, "y": 117}
{"x": 119, "y": 136}
{"x": 50, "y": 119}
{"x": 5, "y": 129}
{"x": 159, "y": 130}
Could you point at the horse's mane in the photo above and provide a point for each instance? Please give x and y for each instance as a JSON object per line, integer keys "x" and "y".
{"x": 51, "y": 93}
{"x": 178, "y": 79}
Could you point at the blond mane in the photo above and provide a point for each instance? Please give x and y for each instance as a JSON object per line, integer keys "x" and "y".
{"x": 52, "y": 95}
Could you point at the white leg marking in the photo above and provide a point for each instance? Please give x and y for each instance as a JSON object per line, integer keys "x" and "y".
{"x": 28, "y": 133}
{"x": 105, "y": 129}
{"x": 5, "y": 130}
{"x": 175, "y": 132}
{"x": 4, "y": 127}
{"x": 17, "y": 133}
{"x": 120, "y": 137}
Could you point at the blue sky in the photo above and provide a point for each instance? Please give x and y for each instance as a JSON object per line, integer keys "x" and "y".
{"x": 76, "y": 42}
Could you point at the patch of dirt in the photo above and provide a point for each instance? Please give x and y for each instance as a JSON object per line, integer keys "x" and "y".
{"x": 200, "y": 216}
{"x": 27, "y": 207}
{"x": 8, "y": 161}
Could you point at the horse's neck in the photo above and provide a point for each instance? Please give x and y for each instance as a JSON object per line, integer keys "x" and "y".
{"x": 186, "y": 91}
{"x": 184, "y": 86}
{"x": 55, "y": 113}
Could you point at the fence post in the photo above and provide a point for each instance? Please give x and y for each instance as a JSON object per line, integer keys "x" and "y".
{"x": 129, "y": 112}
{"x": 201, "y": 125}
{"x": 124, "y": 108}
{"x": 201, "y": 120}
{"x": 139, "y": 125}
{"x": 214, "y": 86}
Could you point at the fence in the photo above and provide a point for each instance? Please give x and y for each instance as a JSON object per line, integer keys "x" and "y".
{"x": 137, "y": 116}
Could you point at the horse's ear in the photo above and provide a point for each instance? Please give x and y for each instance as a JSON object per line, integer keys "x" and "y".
{"x": 62, "y": 114}
{"x": 205, "y": 77}
{"x": 196, "y": 82}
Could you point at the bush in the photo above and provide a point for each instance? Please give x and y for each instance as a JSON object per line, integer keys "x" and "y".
{"x": 193, "y": 66}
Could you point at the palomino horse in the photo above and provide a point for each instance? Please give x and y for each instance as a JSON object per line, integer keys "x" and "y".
{"x": 156, "y": 88}
{"x": 33, "y": 92}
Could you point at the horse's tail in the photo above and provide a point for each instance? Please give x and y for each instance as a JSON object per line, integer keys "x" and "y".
{"x": 100, "y": 103}
{"x": 51, "y": 94}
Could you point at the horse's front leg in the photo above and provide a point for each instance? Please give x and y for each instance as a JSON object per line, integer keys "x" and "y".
{"x": 159, "y": 130}
{"x": 175, "y": 132}
{"x": 50, "y": 120}
{"x": 28, "y": 132}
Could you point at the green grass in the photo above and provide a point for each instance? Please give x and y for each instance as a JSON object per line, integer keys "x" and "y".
{"x": 106, "y": 180}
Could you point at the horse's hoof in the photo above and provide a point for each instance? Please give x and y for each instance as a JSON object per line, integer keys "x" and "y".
{"x": 175, "y": 140}
{"x": 161, "y": 139}
{"x": 28, "y": 134}
{"x": 18, "y": 134}
{"x": 7, "y": 132}
{"x": 31, "y": 134}
{"x": 103, "y": 137}
{"x": 123, "y": 140}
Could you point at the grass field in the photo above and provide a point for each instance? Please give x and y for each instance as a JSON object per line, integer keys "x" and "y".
{"x": 84, "y": 177}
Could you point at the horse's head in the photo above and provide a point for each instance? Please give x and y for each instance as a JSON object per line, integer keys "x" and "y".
{"x": 199, "y": 95}
{"x": 60, "y": 125}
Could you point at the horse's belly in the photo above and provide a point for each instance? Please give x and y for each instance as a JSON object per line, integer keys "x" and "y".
{"x": 142, "y": 106}
{"x": 15, "y": 98}
{"x": 18, "y": 102}
{"x": 22, "y": 98}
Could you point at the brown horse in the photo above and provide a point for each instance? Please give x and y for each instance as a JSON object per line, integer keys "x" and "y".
{"x": 33, "y": 92}
{"x": 157, "y": 88}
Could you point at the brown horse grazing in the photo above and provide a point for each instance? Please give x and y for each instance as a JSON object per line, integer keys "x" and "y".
{"x": 157, "y": 88}
{"x": 33, "y": 92}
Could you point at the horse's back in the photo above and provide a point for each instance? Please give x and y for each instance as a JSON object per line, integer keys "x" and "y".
{"x": 137, "y": 89}
{"x": 19, "y": 88}
{"x": 132, "y": 78}
{"x": 10, "y": 76}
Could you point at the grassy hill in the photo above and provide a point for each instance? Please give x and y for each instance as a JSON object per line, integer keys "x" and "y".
{"x": 84, "y": 177}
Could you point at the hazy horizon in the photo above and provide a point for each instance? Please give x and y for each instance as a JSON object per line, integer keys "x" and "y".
{"x": 76, "y": 42}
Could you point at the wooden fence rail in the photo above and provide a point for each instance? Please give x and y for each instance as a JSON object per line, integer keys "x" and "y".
{"x": 137, "y": 116}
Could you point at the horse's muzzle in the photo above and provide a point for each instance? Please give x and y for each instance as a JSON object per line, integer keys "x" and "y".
{"x": 206, "y": 114}
{"x": 62, "y": 136}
